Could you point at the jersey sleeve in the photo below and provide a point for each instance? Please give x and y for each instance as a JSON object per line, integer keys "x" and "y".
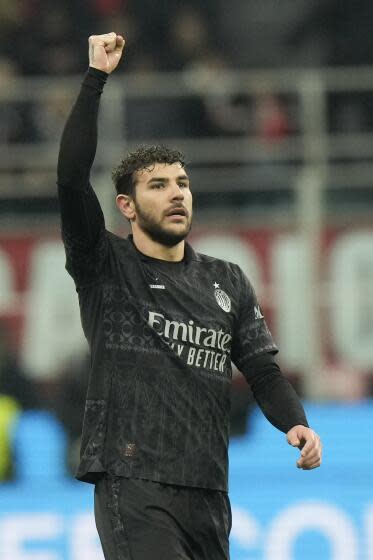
{"x": 82, "y": 221}
{"x": 274, "y": 394}
{"x": 251, "y": 335}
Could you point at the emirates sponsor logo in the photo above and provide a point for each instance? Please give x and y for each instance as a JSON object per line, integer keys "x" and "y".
{"x": 201, "y": 347}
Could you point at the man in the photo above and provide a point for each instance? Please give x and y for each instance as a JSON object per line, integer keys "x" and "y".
{"x": 163, "y": 324}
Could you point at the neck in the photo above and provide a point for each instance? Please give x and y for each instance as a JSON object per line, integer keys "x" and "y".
{"x": 151, "y": 248}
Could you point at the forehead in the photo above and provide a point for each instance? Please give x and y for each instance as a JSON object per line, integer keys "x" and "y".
{"x": 169, "y": 170}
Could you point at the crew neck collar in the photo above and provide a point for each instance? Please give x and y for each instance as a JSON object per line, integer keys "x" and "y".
{"x": 189, "y": 255}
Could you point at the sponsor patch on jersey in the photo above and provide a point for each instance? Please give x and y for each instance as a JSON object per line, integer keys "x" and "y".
{"x": 222, "y": 298}
{"x": 157, "y": 286}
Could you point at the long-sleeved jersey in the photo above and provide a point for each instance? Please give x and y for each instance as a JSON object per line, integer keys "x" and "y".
{"x": 162, "y": 336}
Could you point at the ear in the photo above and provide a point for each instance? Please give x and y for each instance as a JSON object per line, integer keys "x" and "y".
{"x": 126, "y": 206}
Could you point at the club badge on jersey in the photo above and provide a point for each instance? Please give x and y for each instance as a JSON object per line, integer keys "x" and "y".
{"x": 222, "y": 298}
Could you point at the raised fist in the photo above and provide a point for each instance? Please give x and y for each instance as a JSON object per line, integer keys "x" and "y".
{"x": 105, "y": 51}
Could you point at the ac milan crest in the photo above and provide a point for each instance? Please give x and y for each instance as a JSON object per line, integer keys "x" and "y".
{"x": 222, "y": 298}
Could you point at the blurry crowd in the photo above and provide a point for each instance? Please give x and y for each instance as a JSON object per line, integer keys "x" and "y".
{"x": 200, "y": 38}
{"x": 39, "y": 37}
{"x": 45, "y": 37}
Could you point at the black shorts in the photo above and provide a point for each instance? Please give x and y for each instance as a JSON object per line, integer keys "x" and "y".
{"x": 144, "y": 520}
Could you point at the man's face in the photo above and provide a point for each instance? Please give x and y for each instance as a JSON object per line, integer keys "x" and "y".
{"x": 163, "y": 203}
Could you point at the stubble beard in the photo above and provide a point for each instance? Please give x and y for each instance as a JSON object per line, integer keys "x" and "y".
{"x": 157, "y": 232}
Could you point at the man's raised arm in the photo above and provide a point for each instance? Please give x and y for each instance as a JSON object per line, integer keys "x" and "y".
{"x": 81, "y": 215}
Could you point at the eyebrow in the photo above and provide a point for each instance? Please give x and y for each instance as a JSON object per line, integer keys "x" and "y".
{"x": 166, "y": 179}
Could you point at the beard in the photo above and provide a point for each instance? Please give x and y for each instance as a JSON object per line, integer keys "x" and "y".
{"x": 157, "y": 232}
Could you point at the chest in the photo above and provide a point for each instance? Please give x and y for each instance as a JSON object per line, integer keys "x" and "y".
{"x": 193, "y": 311}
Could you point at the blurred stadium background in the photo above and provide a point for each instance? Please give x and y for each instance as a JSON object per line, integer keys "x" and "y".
{"x": 272, "y": 103}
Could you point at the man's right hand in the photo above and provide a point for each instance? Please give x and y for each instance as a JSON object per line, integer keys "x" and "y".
{"x": 105, "y": 51}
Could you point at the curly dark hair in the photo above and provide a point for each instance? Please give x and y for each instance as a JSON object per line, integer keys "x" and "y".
{"x": 144, "y": 157}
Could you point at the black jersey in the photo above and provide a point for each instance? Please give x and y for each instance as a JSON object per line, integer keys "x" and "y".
{"x": 162, "y": 336}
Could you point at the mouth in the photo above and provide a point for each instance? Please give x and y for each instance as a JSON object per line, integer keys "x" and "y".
{"x": 178, "y": 212}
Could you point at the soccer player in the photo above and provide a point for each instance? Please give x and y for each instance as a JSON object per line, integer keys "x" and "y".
{"x": 163, "y": 324}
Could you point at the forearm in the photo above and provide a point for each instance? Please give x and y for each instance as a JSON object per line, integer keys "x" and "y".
{"x": 79, "y": 138}
{"x": 275, "y": 395}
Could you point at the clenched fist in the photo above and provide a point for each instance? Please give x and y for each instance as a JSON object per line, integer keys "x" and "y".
{"x": 105, "y": 51}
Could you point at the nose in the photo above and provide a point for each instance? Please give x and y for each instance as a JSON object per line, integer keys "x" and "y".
{"x": 177, "y": 192}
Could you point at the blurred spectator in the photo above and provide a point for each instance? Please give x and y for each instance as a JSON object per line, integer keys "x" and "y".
{"x": 254, "y": 32}
{"x": 264, "y": 117}
{"x": 8, "y": 413}
{"x": 13, "y": 381}
{"x": 50, "y": 35}
{"x": 189, "y": 37}
{"x": 16, "y": 393}
{"x": 226, "y": 114}
{"x": 169, "y": 32}
{"x": 271, "y": 126}
{"x": 344, "y": 27}
{"x": 10, "y": 20}
{"x": 50, "y": 115}
{"x": 17, "y": 122}
{"x": 69, "y": 402}
{"x": 271, "y": 120}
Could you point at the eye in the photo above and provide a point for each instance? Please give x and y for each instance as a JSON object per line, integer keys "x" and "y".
{"x": 183, "y": 185}
{"x": 158, "y": 185}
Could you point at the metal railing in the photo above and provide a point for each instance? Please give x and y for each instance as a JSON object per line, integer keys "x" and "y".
{"x": 311, "y": 143}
